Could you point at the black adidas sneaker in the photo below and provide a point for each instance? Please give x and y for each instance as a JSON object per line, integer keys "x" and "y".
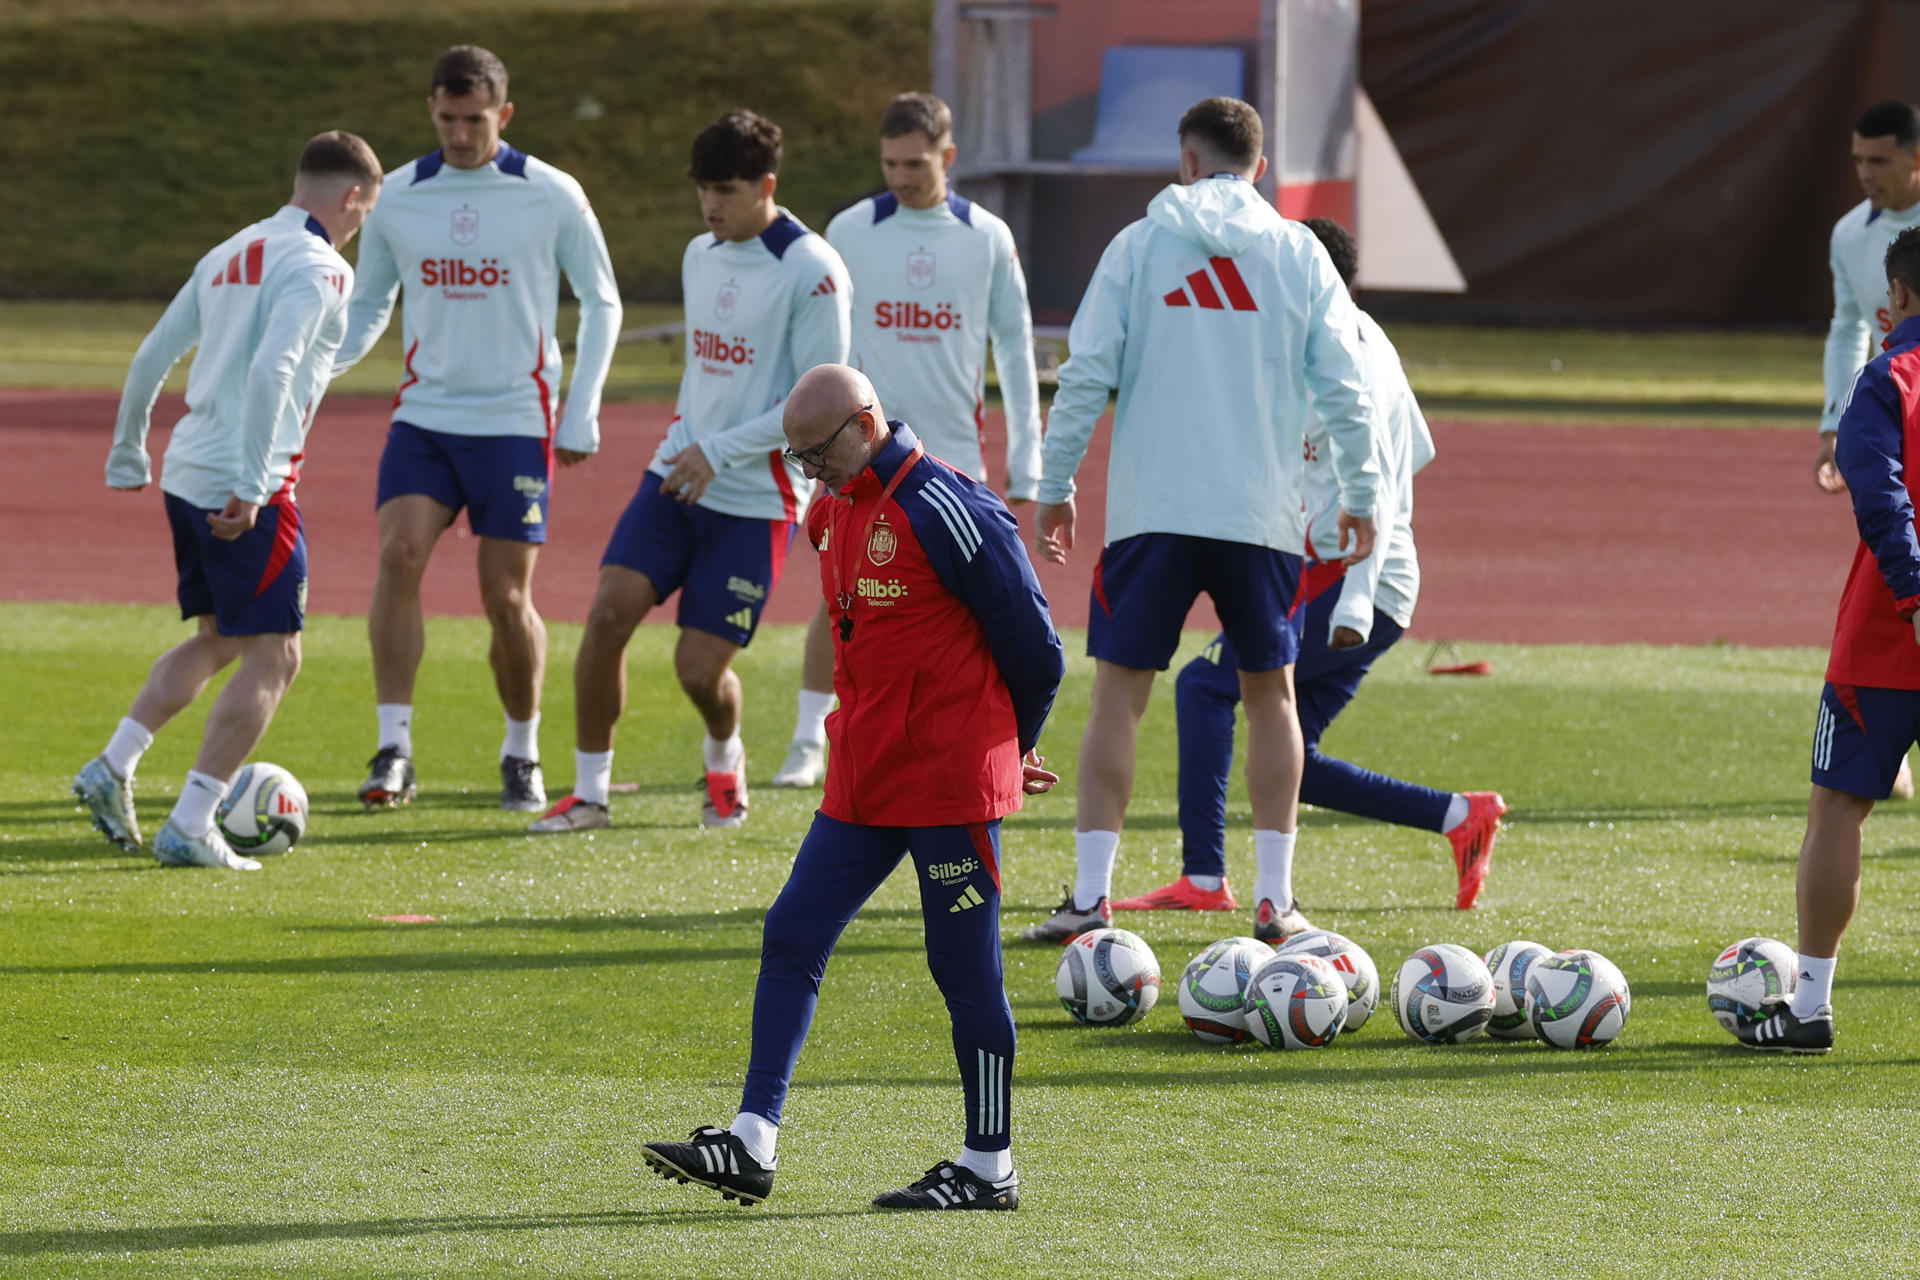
{"x": 713, "y": 1158}
{"x": 951, "y": 1186}
{"x": 1777, "y": 1030}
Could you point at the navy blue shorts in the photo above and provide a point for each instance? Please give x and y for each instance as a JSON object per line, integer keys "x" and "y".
{"x": 502, "y": 481}
{"x": 1861, "y": 736}
{"x": 1144, "y": 586}
{"x": 724, "y": 567}
{"x": 255, "y": 585}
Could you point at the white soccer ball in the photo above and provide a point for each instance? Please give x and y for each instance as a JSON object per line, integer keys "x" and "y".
{"x": 265, "y": 810}
{"x": 1108, "y": 978}
{"x": 1749, "y": 973}
{"x": 1351, "y": 961}
{"x": 1442, "y": 994}
{"x": 1213, "y": 988}
{"x": 1577, "y": 999}
{"x": 1296, "y": 1002}
{"x": 1509, "y": 963}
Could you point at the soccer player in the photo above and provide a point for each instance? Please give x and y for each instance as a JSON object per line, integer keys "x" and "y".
{"x": 1352, "y": 616}
{"x": 476, "y": 235}
{"x": 1219, "y": 321}
{"x": 766, "y": 300}
{"x": 267, "y": 309}
{"x": 946, "y": 664}
{"x": 933, "y": 276}
{"x": 1886, "y": 160}
{"x": 1870, "y": 708}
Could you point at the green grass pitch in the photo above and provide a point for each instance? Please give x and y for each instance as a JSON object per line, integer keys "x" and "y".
{"x": 206, "y": 1073}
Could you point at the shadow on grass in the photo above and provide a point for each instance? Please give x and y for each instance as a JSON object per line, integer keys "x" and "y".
{"x": 432, "y": 962}
{"x": 21, "y": 1244}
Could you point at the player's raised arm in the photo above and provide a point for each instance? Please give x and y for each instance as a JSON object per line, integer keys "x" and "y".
{"x": 582, "y": 252}
{"x": 376, "y": 283}
{"x": 176, "y": 333}
{"x": 1010, "y": 325}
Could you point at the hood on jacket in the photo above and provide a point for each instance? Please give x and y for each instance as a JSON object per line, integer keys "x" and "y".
{"x": 1221, "y": 215}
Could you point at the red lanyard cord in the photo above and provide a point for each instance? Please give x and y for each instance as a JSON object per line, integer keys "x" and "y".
{"x": 843, "y": 598}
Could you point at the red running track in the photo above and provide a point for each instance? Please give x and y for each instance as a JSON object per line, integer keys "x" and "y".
{"x": 1527, "y": 534}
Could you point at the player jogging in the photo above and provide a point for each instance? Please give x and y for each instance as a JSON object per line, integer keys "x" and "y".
{"x": 766, "y": 300}
{"x": 267, "y": 309}
{"x": 933, "y": 276}
{"x": 946, "y": 664}
{"x": 1886, "y": 160}
{"x": 1869, "y": 712}
{"x": 476, "y": 235}
{"x": 1218, "y": 320}
{"x": 1352, "y": 616}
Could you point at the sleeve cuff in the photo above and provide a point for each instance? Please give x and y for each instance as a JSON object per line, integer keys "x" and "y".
{"x": 1906, "y": 607}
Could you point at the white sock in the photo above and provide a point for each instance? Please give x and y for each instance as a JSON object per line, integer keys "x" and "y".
{"x": 1814, "y": 990}
{"x": 811, "y": 724}
{"x": 1093, "y": 855}
{"x": 758, "y": 1135}
{"x": 724, "y": 756}
{"x": 523, "y": 739}
{"x": 396, "y": 726}
{"x": 994, "y": 1166}
{"x": 592, "y": 775}
{"x": 1209, "y": 883}
{"x": 124, "y": 749}
{"x": 1273, "y": 868}
{"x": 193, "y": 811}
{"x": 1456, "y": 813}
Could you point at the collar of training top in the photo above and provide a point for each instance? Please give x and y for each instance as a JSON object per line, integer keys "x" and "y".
{"x": 898, "y": 448}
{"x": 1904, "y": 334}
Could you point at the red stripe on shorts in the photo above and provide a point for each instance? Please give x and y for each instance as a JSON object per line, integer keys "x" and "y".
{"x": 284, "y": 538}
{"x": 785, "y": 481}
{"x": 982, "y": 845}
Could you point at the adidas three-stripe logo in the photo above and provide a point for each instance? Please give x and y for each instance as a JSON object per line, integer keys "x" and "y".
{"x": 825, "y": 287}
{"x": 968, "y": 900}
{"x": 1823, "y": 738}
{"x": 253, "y": 257}
{"x": 992, "y": 1079}
{"x": 1207, "y": 297}
{"x": 718, "y": 1158}
{"x": 953, "y": 512}
{"x": 741, "y": 618}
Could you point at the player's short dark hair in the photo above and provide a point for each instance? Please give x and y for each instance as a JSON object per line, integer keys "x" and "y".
{"x": 467, "y": 68}
{"x": 339, "y": 154}
{"x": 739, "y": 144}
{"x": 917, "y": 113}
{"x": 1228, "y": 127}
{"x": 1339, "y": 245}
{"x": 1893, "y": 118}
{"x": 1903, "y": 259}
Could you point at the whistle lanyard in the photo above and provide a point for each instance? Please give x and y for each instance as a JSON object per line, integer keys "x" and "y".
{"x": 843, "y": 598}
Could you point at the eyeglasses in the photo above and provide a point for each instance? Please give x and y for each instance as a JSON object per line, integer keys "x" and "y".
{"x": 815, "y": 456}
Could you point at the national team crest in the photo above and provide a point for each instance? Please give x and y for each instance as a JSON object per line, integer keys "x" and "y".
{"x": 881, "y": 544}
{"x": 466, "y": 225}
{"x": 920, "y": 269}
{"x": 723, "y": 303}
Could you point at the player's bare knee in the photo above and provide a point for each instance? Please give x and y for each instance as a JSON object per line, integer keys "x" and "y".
{"x": 403, "y": 558}
{"x": 507, "y": 603}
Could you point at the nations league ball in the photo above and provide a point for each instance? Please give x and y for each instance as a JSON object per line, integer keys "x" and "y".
{"x": 1213, "y": 989}
{"x": 265, "y": 810}
{"x": 1577, "y": 999}
{"x": 1296, "y": 1001}
{"x": 1351, "y": 962}
{"x": 1748, "y": 974}
{"x": 1107, "y": 978}
{"x": 1442, "y": 994}
{"x": 1508, "y": 963}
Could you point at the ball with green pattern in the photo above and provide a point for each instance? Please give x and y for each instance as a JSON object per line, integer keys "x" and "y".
{"x": 1577, "y": 999}
{"x": 1213, "y": 989}
{"x": 1508, "y": 963}
{"x": 1296, "y": 1002}
{"x": 1750, "y": 973}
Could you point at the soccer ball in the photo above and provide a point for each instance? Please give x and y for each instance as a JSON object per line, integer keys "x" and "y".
{"x": 1577, "y": 999}
{"x": 1107, "y": 978}
{"x": 1751, "y": 972}
{"x": 1442, "y": 994}
{"x": 265, "y": 810}
{"x": 1509, "y": 963}
{"x": 1351, "y": 962}
{"x": 1296, "y": 1001}
{"x": 1213, "y": 989}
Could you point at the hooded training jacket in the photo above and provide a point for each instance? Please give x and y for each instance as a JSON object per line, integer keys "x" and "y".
{"x": 1221, "y": 324}
{"x": 944, "y": 655}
